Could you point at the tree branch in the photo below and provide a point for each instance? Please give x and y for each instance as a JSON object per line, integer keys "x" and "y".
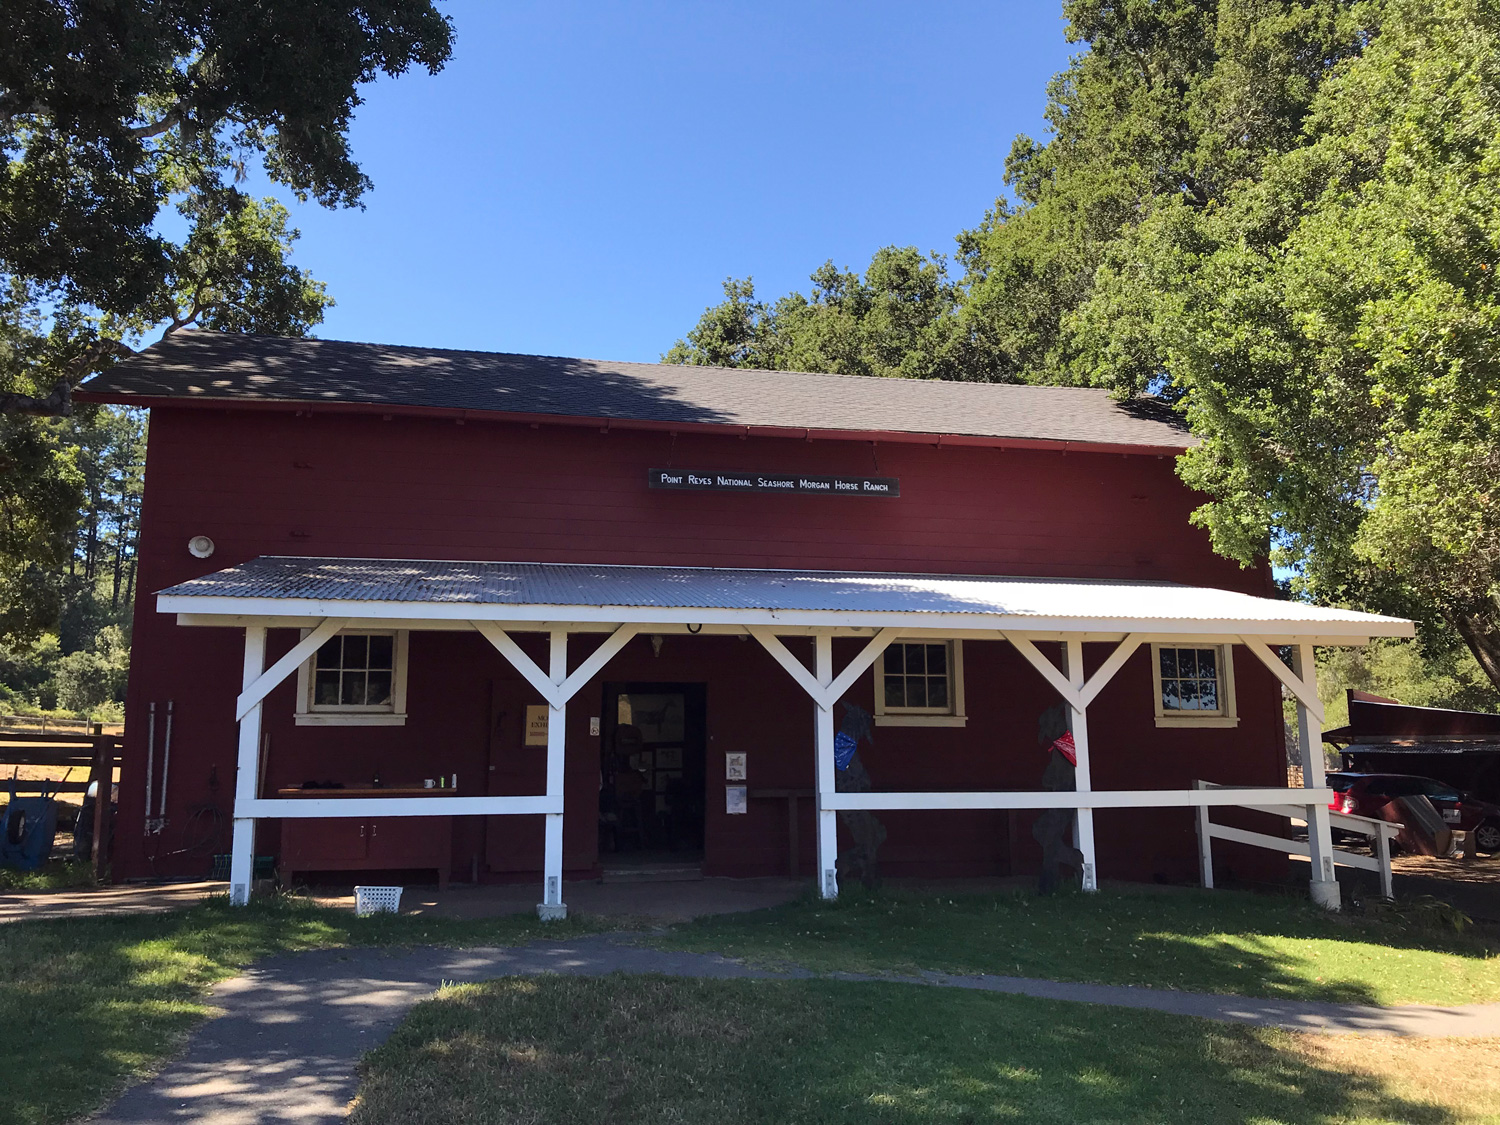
{"x": 170, "y": 120}
{"x": 58, "y": 402}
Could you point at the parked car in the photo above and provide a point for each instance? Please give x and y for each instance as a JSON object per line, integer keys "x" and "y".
{"x": 1363, "y": 794}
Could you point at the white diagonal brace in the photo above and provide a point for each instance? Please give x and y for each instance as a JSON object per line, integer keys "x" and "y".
{"x": 824, "y": 695}
{"x": 1048, "y": 669}
{"x": 522, "y": 663}
{"x": 1112, "y": 664}
{"x": 267, "y": 680}
{"x": 1306, "y": 694}
{"x": 597, "y": 660}
{"x": 795, "y": 668}
{"x": 856, "y": 668}
{"x": 1081, "y": 696}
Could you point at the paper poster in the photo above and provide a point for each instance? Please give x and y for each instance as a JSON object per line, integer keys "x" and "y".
{"x": 736, "y": 800}
{"x": 734, "y": 766}
{"x": 536, "y": 724}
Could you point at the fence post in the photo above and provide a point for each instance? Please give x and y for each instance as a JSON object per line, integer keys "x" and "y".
{"x": 1205, "y": 842}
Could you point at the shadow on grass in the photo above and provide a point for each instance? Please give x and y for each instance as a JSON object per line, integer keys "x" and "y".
{"x": 88, "y": 1003}
{"x": 635, "y": 1049}
{"x": 1223, "y": 942}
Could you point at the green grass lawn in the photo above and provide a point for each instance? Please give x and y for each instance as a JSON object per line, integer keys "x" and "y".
{"x": 1206, "y": 941}
{"x": 54, "y": 875}
{"x": 627, "y": 1049}
{"x": 88, "y": 1003}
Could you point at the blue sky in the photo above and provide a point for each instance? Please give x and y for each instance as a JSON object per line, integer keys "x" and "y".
{"x": 583, "y": 176}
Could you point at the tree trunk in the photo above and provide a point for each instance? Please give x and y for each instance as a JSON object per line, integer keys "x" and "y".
{"x": 1480, "y": 630}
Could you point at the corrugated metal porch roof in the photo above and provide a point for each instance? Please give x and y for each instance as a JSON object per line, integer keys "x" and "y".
{"x": 287, "y": 586}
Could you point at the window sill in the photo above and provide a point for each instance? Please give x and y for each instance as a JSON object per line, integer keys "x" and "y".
{"x": 349, "y": 719}
{"x": 1220, "y": 721}
{"x": 921, "y": 720}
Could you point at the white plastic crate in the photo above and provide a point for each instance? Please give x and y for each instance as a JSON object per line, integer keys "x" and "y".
{"x": 374, "y": 900}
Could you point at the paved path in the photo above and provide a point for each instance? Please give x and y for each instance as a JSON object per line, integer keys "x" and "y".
{"x": 85, "y": 902}
{"x": 294, "y": 1026}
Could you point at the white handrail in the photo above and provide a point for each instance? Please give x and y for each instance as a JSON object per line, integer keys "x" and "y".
{"x": 1380, "y": 832}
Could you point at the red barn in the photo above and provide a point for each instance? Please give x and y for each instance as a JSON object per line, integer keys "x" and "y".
{"x": 519, "y": 617}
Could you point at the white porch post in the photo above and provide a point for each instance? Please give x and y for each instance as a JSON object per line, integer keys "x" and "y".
{"x": 828, "y": 819}
{"x": 1323, "y": 887}
{"x": 1083, "y": 825}
{"x": 552, "y": 908}
{"x": 247, "y": 774}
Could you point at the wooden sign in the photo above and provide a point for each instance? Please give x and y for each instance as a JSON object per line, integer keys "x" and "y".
{"x": 536, "y": 724}
{"x": 714, "y": 480}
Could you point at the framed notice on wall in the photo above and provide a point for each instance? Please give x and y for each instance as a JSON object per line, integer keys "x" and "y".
{"x": 536, "y": 724}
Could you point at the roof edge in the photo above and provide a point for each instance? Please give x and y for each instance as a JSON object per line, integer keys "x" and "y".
{"x": 606, "y": 423}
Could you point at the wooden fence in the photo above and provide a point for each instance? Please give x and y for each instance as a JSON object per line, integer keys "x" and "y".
{"x": 94, "y": 750}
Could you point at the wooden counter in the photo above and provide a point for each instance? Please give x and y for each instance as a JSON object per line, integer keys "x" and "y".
{"x": 386, "y": 843}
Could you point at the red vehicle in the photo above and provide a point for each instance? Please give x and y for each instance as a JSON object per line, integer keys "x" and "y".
{"x": 1364, "y": 794}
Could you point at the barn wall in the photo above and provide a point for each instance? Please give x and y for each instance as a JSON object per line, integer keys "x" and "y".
{"x": 356, "y": 485}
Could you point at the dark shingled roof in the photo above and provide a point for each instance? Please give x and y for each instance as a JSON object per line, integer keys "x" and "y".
{"x": 204, "y": 365}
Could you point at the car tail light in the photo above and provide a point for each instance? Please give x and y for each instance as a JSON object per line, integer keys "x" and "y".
{"x": 1346, "y": 803}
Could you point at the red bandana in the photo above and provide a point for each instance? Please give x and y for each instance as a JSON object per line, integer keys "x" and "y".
{"x": 1065, "y": 747}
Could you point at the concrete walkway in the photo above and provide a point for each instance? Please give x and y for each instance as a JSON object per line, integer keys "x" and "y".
{"x": 294, "y": 1026}
{"x": 36, "y": 906}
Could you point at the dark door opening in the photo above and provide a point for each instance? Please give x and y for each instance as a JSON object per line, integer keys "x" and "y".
{"x": 653, "y": 749}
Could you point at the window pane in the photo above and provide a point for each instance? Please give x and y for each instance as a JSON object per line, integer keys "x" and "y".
{"x": 328, "y": 654}
{"x": 895, "y": 659}
{"x": 326, "y": 689}
{"x": 1187, "y": 691}
{"x": 381, "y": 651}
{"x": 1187, "y": 662}
{"x": 1170, "y": 700}
{"x": 916, "y": 692}
{"x": 1168, "y": 663}
{"x": 916, "y": 658}
{"x": 895, "y": 691}
{"x": 937, "y": 692}
{"x": 1208, "y": 695}
{"x": 353, "y": 693}
{"x": 1207, "y": 663}
{"x": 356, "y": 649}
{"x": 378, "y": 689}
{"x": 937, "y": 660}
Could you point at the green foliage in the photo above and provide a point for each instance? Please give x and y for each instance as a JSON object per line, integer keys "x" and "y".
{"x": 28, "y": 673}
{"x": 107, "y": 111}
{"x": 898, "y": 319}
{"x": 41, "y": 491}
{"x": 1331, "y": 332}
{"x": 94, "y": 675}
{"x": 110, "y": 114}
{"x": 1407, "y": 672}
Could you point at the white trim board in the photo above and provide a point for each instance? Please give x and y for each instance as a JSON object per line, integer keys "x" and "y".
{"x": 334, "y": 806}
{"x": 1353, "y": 631}
{"x": 1075, "y": 799}
{"x": 678, "y": 628}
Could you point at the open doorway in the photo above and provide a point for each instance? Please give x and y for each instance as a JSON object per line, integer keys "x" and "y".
{"x": 652, "y": 774}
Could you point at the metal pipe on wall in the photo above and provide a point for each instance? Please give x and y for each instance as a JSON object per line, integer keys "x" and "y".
{"x": 150, "y": 755}
{"x": 166, "y": 762}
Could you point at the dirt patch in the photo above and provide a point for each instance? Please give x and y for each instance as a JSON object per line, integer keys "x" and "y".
{"x": 1462, "y": 1075}
{"x": 1481, "y": 870}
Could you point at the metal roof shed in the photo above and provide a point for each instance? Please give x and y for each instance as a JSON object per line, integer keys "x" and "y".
{"x": 324, "y": 595}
